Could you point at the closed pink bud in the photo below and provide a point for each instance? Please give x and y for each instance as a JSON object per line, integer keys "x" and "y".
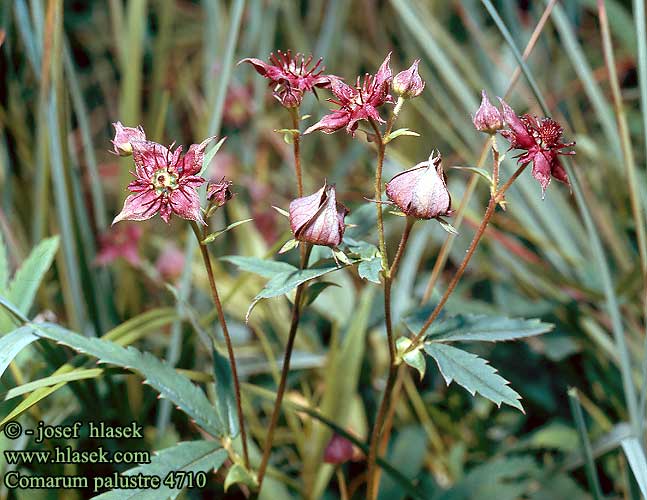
{"x": 170, "y": 263}
{"x": 219, "y": 193}
{"x": 421, "y": 191}
{"x": 488, "y": 118}
{"x": 123, "y": 138}
{"x": 408, "y": 83}
{"x": 318, "y": 218}
{"x": 339, "y": 450}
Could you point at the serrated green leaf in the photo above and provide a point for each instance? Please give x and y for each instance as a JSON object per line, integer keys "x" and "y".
{"x": 314, "y": 290}
{"x": 189, "y": 457}
{"x": 225, "y": 395}
{"x": 238, "y": 474}
{"x": 210, "y": 154}
{"x": 262, "y": 267}
{"x": 476, "y": 327}
{"x": 215, "y": 234}
{"x": 370, "y": 269}
{"x": 286, "y": 281}
{"x": 12, "y": 343}
{"x": 26, "y": 281}
{"x": 158, "y": 374}
{"x": 473, "y": 373}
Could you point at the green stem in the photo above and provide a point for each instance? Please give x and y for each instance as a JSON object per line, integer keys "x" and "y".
{"x": 225, "y": 331}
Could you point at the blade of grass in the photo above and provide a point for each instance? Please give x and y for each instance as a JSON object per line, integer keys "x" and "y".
{"x": 227, "y": 62}
{"x": 578, "y": 416}
{"x": 444, "y": 66}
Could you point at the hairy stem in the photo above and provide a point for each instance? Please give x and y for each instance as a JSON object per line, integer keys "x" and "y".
{"x": 276, "y": 411}
{"x": 296, "y": 143}
{"x": 225, "y": 331}
{"x": 388, "y": 273}
{"x": 373, "y": 472}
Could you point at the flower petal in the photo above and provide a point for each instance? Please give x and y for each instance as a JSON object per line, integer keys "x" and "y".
{"x": 185, "y": 202}
{"x": 384, "y": 74}
{"x": 303, "y": 209}
{"x": 520, "y": 137}
{"x": 140, "y": 206}
{"x": 541, "y": 170}
{"x": 194, "y": 157}
{"x": 339, "y": 118}
{"x": 149, "y": 156}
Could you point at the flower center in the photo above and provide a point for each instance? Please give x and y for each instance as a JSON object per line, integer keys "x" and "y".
{"x": 550, "y": 132}
{"x": 164, "y": 181}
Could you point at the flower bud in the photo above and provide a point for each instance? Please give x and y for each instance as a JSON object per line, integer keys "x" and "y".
{"x": 421, "y": 191}
{"x": 408, "y": 83}
{"x": 339, "y": 450}
{"x": 488, "y": 118}
{"x": 318, "y": 218}
{"x": 219, "y": 193}
{"x": 124, "y": 136}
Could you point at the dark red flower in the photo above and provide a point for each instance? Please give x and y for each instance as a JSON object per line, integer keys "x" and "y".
{"x": 542, "y": 141}
{"x": 291, "y": 76}
{"x": 165, "y": 182}
{"x": 358, "y": 103}
{"x": 318, "y": 218}
{"x": 421, "y": 191}
{"x": 121, "y": 242}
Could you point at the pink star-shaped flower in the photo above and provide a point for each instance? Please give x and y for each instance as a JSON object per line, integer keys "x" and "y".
{"x": 291, "y": 76}
{"x": 166, "y": 182}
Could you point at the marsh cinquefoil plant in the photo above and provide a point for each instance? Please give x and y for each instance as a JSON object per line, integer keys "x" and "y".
{"x": 168, "y": 182}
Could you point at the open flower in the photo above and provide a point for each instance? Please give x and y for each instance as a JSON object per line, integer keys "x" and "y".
{"x": 291, "y": 76}
{"x": 542, "y": 141}
{"x": 123, "y": 138}
{"x": 165, "y": 182}
{"x": 487, "y": 118}
{"x": 358, "y": 103}
{"x": 318, "y": 218}
{"x": 408, "y": 83}
{"x": 421, "y": 191}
